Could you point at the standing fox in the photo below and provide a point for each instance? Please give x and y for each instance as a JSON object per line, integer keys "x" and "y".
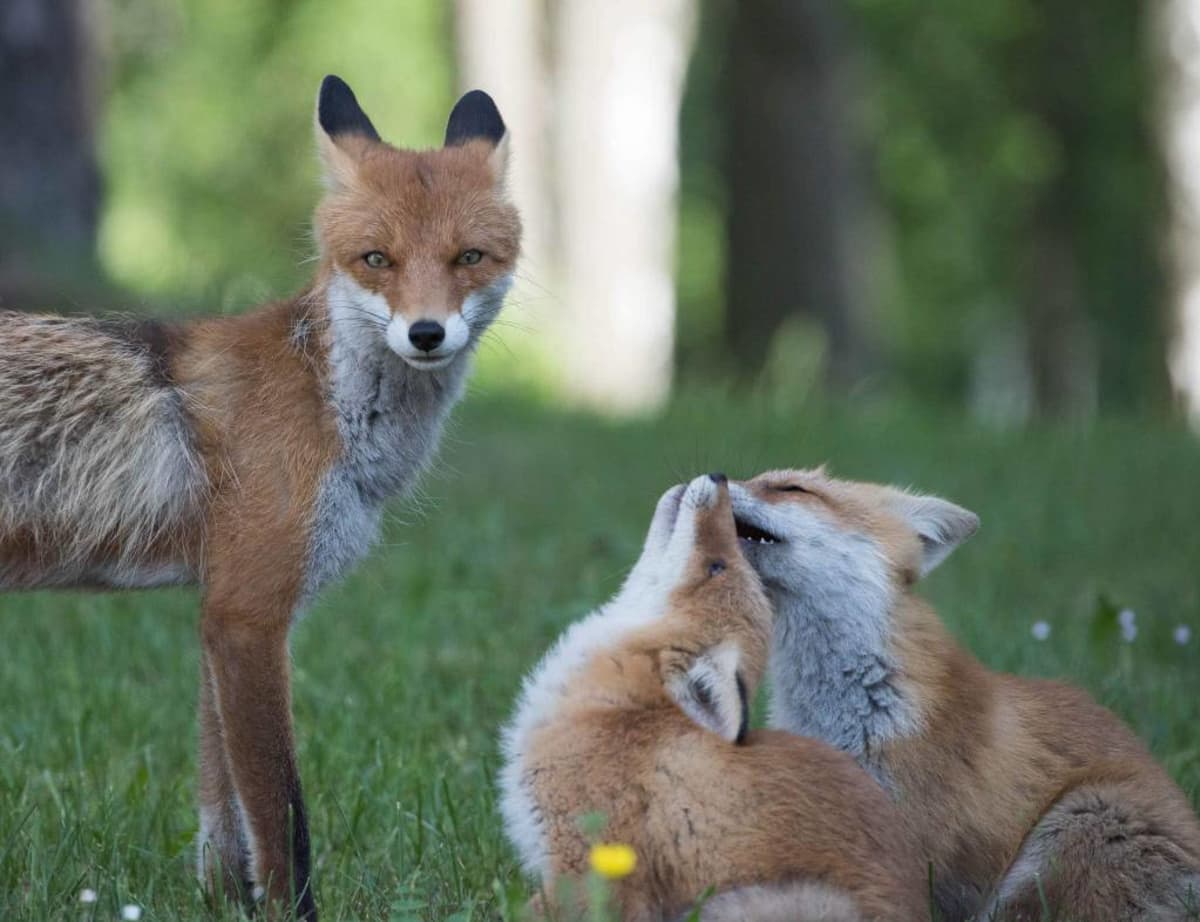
{"x": 640, "y": 712}
{"x": 1024, "y": 795}
{"x": 253, "y": 454}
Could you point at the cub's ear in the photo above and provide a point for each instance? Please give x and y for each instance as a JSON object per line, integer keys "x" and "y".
{"x": 713, "y": 694}
{"x": 476, "y": 118}
{"x": 342, "y": 127}
{"x": 941, "y": 525}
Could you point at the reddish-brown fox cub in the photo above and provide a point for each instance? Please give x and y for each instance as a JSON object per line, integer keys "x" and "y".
{"x": 252, "y": 454}
{"x": 639, "y": 713}
{"x": 1025, "y": 796}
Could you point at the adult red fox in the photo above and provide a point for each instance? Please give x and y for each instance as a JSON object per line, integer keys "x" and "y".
{"x": 639, "y": 713}
{"x": 252, "y": 454}
{"x": 1025, "y": 797}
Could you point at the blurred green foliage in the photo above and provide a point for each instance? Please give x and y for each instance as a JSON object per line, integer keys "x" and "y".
{"x": 207, "y": 144}
{"x": 982, "y": 113}
{"x": 976, "y": 120}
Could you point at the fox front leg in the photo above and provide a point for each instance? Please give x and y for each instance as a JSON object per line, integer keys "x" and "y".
{"x": 249, "y": 670}
{"x": 253, "y": 577}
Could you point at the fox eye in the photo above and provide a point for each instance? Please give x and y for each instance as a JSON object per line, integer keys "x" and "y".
{"x": 715, "y": 567}
{"x": 469, "y": 257}
{"x": 791, "y": 488}
{"x": 376, "y": 260}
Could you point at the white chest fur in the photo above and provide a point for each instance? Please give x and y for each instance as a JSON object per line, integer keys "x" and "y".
{"x": 389, "y": 418}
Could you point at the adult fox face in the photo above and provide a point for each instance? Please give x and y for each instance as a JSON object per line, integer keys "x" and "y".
{"x": 418, "y": 247}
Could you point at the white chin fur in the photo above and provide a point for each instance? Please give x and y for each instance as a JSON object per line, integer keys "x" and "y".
{"x": 426, "y": 362}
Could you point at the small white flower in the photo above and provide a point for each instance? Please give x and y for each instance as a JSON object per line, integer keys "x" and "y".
{"x": 257, "y": 893}
{"x": 1040, "y": 630}
{"x": 1129, "y": 632}
{"x": 87, "y": 895}
{"x": 1183, "y": 634}
{"x": 1127, "y": 618}
{"x": 131, "y": 912}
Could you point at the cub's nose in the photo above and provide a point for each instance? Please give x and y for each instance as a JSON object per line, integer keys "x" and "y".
{"x": 426, "y": 335}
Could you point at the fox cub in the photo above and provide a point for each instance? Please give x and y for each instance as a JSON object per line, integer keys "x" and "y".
{"x": 639, "y": 712}
{"x": 1025, "y": 797}
{"x": 252, "y": 454}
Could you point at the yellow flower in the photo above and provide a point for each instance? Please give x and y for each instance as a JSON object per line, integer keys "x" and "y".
{"x": 613, "y": 861}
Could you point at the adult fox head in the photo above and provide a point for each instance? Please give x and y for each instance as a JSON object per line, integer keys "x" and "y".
{"x": 418, "y": 247}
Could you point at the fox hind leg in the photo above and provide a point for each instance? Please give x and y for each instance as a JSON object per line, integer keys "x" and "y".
{"x": 1094, "y": 856}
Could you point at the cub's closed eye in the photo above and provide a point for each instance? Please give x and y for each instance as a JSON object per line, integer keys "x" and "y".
{"x": 469, "y": 257}
{"x": 376, "y": 260}
{"x": 791, "y": 488}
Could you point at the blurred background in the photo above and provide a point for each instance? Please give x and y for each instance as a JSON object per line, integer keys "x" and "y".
{"x": 992, "y": 207}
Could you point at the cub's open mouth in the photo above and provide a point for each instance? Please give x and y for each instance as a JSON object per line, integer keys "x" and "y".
{"x": 752, "y": 533}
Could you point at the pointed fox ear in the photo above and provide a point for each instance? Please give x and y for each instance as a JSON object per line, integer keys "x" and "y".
{"x": 342, "y": 126}
{"x": 476, "y": 118}
{"x": 713, "y": 693}
{"x": 941, "y": 525}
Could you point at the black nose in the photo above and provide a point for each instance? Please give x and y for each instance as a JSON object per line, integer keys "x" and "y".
{"x": 426, "y": 335}
{"x": 717, "y": 477}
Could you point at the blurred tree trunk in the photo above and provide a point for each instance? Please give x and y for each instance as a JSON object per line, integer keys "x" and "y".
{"x": 1060, "y": 341}
{"x": 49, "y": 181}
{"x": 1176, "y": 38}
{"x": 796, "y": 215}
{"x": 591, "y": 91}
{"x": 620, "y": 68}
{"x": 1093, "y": 288}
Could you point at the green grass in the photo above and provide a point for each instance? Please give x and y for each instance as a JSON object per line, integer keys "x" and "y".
{"x": 403, "y": 674}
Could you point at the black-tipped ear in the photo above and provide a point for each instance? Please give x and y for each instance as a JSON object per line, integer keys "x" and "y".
{"x": 338, "y": 112}
{"x": 474, "y": 118}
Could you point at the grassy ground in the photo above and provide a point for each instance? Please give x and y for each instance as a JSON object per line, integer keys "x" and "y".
{"x": 404, "y": 673}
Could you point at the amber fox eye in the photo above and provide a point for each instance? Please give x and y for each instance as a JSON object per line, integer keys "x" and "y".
{"x": 469, "y": 257}
{"x": 376, "y": 260}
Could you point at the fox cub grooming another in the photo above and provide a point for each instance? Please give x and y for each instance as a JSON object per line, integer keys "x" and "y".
{"x": 253, "y": 454}
{"x": 1024, "y": 795}
{"x": 639, "y": 712}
